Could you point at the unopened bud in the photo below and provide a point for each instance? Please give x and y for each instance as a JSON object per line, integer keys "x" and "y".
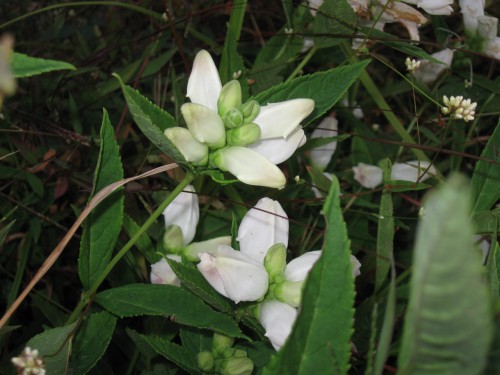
{"x": 250, "y": 110}
{"x": 192, "y": 150}
{"x": 229, "y": 98}
{"x": 275, "y": 261}
{"x": 173, "y": 239}
{"x": 236, "y": 366}
{"x": 233, "y": 118}
{"x": 205, "y": 361}
{"x": 220, "y": 343}
{"x": 243, "y": 135}
{"x": 289, "y": 292}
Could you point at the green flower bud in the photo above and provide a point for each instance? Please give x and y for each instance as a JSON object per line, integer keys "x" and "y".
{"x": 220, "y": 343}
{"x": 244, "y": 135}
{"x": 250, "y": 110}
{"x": 172, "y": 239}
{"x": 206, "y": 361}
{"x": 289, "y": 292}
{"x": 236, "y": 366}
{"x": 229, "y": 98}
{"x": 275, "y": 261}
{"x": 205, "y": 125}
{"x": 233, "y": 118}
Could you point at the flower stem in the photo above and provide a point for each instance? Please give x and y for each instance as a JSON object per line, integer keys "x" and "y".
{"x": 90, "y": 293}
{"x": 304, "y": 61}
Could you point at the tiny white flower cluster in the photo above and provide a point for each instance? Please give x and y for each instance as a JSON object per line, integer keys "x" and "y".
{"x": 412, "y": 65}
{"x": 29, "y": 363}
{"x": 459, "y": 108}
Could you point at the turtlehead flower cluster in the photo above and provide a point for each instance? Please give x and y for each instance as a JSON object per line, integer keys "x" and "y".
{"x": 481, "y": 26}
{"x": 371, "y": 176}
{"x": 245, "y": 139}
{"x": 29, "y": 363}
{"x": 459, "y": 108}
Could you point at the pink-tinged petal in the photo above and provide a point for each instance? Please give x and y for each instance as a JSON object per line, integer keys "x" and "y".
{"x": 369, "y": 176}
{"x": 412, "y": 171}
{"x": 234, "y": 275}
{"x": 184, "y": 211}
{"x": 298, "y": 268}
{"x": 279, "y": 149}
{"x": 277, "y": 318}
{"x": 263, "y": 226}
{"x": 192, "y": 251}
{"x": 161, "y": 273}
{"x": 281, "y": 119}
{"x": 204, "y": 85}
{"x": 249, "y": 167}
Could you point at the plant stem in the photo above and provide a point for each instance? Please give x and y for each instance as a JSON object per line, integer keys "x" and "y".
{"x": 304, "y": 61}
{"x": 132, "y": 7}
{"x": 89, "y": 294}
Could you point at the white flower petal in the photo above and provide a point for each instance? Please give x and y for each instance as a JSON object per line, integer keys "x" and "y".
{"x": 369, "y": 176}
{"x": 234, "y": 275}
{"x": 249, "y": 167}
{"x": 204, "y": 83}
{"x": 356, "y": 266}
{"x": 279, "y": 149}
{"x": 193, "y": 250}
{"x": 192, "y": 150}
{"x": 321, "y": 156}
{"x": 298, "y": 268}
{"x": 428, "y": 71}
{"x": 410, "y": 171}
{"x": 184, "y": 211}
{"x": 263, "y": 226}
{"x": 161, "y": 273}
{"x": 205, "y": 125}
{"x": 277, "y": 318}
{"x": 471, "y": 10}
{"x": 281, "y": 119}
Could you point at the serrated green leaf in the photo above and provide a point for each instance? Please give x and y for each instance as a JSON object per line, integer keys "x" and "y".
{"x": 319, "y": 180}
{"x": 335, "y": 19}
{"x": 151, "y": 299}
{"x": 196, "y": 340}
{"x": 152, "y": 121}
{"x": 104, "y": 223}
{"x": 448, "y": 323}
{"x": 91, "y": 342}
{"x": 175, "y": 353}
{"x": 325, "y": 88}
{"x": 486, "y": 177}
{"x": 320, "y": 340}
{"x": 26, "y": 66}
{"x": 192, "y": 279}
{"x": 487, "y": 222}
{"x": 53, "y": 344}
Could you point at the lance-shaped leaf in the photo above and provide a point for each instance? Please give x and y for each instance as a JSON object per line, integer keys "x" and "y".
{"x": 320, "y": 340}
{"x": 103, "y": 225}
{"x": 26, "y": 66}
{"x": 448, "y": 324}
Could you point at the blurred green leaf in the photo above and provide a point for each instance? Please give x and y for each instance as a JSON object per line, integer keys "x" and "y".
{"x": 320, "y": 340}
{"x": 335, "y": 21}
{"x": 25, "y": 66}
{"x": 152, "y": 299}
{"x": 91, "y": 342}
{"x": 9, "y": 173}
{"x": 104, "y": 223}
{"x": 486, "y": 176}
{"x": 448, "y": 323}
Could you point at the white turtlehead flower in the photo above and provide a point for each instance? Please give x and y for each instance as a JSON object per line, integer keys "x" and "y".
{"x": 162, "y": 273}
{"x": 471, "y": 11}
{"x": 491, "y": 47}
{"x": 277, "y": 318}
{"x": 459, "y": 108}
{"x": 435, "y": 7}
{"x": 320, "y": 157}
{"x": 184, "y": 212}
{"x": 396, "y": 11}
{"x": 429, "y": 71}
{"x": 413, "y": 171}
{"x": 487, "y": 27}
{"x": 29, "y": 363}
{"x": 263, "y": 226}
{"x": 245, "y": 139}
{"x": 369, "y": 176}
{"x": 234, "y": 274}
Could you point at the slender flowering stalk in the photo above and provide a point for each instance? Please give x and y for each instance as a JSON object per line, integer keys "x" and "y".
{"x": 411, "y": 65}
{"x": 459, "y": 108}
